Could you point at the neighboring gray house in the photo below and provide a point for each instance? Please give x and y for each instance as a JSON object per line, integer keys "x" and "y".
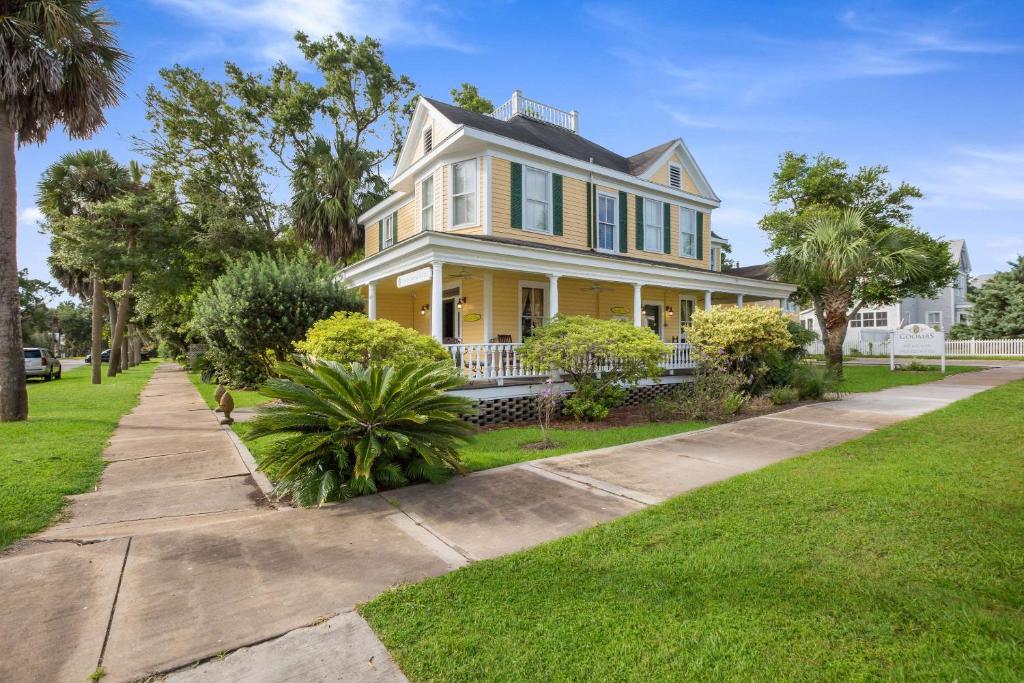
{"x": 949, "y": 307}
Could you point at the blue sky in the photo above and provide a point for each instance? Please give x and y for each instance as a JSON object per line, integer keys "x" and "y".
{"x": 934, "y": 90}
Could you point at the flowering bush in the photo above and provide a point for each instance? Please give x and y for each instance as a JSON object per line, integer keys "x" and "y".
{"x": 354, "y": 338}
{"x": 737, "y": 333}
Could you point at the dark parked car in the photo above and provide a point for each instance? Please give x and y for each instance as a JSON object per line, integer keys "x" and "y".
{"x": 104, "y": 357}
{"x": 41, "y": 363}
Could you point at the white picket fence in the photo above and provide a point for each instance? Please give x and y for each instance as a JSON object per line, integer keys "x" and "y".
{"x": 954, "y": 347}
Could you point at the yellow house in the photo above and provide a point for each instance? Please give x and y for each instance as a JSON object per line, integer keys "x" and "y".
{"x": 498, "y": 222}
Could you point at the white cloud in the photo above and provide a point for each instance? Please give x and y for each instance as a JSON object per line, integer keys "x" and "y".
{"x": 30, "y": 216}
{"x": 977, "y": 178}
{"x": 269, "y": 24}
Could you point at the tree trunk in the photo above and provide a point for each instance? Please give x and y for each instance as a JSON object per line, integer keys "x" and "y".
{"x": 117, "y": 340}
{"x": 97, "y": 328}
{"x": 13, "y": 395}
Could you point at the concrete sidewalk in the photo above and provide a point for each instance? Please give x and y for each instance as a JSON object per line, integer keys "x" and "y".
{"x": 178, "y": 558}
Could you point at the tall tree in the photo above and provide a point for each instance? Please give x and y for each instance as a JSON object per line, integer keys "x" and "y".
{"x": 468, "y": 97}
{"x": 34, "y": 312}
{"x": 60, "y": 64}
{"x": 334, "y": 178}
{"x": 859, "y": 228}
{"x": 70, "y": 192}
{"x": 998, "y": 311}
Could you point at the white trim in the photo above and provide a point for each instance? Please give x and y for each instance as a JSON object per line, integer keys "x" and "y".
{"x": 678, "y": 168}
{"x": 476, "y": 194}
{"x": 422, "y": 208}
{"x": 488, "y": 282}
{"x": 533, "y": 284}
{"x": 479, "y": 252}
{"x": 392, "y": 203}
{"x": 697, "y": 175}
{"x": 392, "y": 218}
{"x": 488, "y": 180}
{"x": 616, "y": 228}
{"x": 457, "y": 322}
{"x": 549, "y": 189}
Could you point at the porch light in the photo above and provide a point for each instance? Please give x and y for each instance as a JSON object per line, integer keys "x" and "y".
{"x": 668, "y": 311}
{"x": 461, "y": 301}
{"x": 424, "y": 308}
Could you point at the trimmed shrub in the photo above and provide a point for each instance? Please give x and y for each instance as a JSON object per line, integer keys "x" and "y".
{"x": 256, "y": 310}
{"x": 758, "y": 342}
{"x": 353, "y": 338}
{"x": 783, "y": 395}
{"x": 582, "y": 347}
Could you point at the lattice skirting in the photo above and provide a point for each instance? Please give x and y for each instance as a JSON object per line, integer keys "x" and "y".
{"x": 512, "y": 409}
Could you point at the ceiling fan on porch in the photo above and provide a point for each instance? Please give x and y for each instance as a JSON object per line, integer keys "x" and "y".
{"x": 463, "y": 273}
{"x": 595, "y": 287}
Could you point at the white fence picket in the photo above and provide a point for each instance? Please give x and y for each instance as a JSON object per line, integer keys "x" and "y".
{"x": 1012, "y": 348}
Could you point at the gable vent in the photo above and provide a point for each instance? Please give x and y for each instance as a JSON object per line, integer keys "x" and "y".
{"x": 428, "y": 139}
{"x": 675, "y": 176}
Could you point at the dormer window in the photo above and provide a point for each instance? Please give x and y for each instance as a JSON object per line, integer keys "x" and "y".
{"x": 675, "y": 176}
{"x": 428, "y": 139}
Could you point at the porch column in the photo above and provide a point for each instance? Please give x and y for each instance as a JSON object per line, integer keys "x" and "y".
{"x": 553, "y": 294}
{"x": 371, "y": 300}
{"x": 638, "y": 305}
{"x": 488, "y": 307}
{"x": 739, "y": 301}
{"x": 707, "y": 299}
{"x": 436, "y": 301}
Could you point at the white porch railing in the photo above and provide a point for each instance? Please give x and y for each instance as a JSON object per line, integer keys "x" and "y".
{"x": 524, "y": 106}
{"x": 498, "y": 362}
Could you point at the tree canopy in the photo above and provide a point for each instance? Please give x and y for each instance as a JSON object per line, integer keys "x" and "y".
{"x": 998, "y": 310}
{"x": 468, "y": 97}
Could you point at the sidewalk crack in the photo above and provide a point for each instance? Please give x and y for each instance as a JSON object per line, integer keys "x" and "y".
{"x": 113, "y": 606}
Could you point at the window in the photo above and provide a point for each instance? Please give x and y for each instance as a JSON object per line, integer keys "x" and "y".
{"x": 388, "y": 226}
{"x": 532, "y": 315}
{"x": 934, "y": 318}
{"x": 428, "y": 139}
{"x": 654, "y": 220}
{"x": 716, "y": 258}
{"x": 675, "y": 176}
{"x": 607, "y": 230}
{"x": 808, "y": 324}
{"x": 537, "y": 200}
{"x": 688, "y": 233}
{"x": 427, "y": 203}
{"x": 652, "y": 318}
{"x": 881, "y": 319}
{"x": 464, "y": 193}
{"x": 686, "y": 307}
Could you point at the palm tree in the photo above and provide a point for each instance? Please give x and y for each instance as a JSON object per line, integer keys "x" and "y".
{"x": 839, "y": 249}
{"x": 328, "y": 196}
{"x": 60, "y": 64}
{"x": 344, "y": 429}
{"x": 71, "y": 188}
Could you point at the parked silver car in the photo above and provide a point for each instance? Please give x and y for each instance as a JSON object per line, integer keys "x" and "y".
{"x": 41, "y": 363}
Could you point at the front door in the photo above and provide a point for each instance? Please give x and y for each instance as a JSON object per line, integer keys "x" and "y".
{"x": 652, "y": 318}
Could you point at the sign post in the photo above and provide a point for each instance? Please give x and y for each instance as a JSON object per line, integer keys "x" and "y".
{"x": 917, "y": 340}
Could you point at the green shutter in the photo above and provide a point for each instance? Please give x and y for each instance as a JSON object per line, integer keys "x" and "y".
{"x": 623, "y": 222}
{"x": 394, "y": 228}
{"x": 556, "y": 201}
{"x": 517, "y": 196}
{"x": 590, "y": 214}
{"x": 668, "y": 228}
{"x": 380, "y": 235}
{"x": 700, "y": 235}
{"x": 639, "y": 223}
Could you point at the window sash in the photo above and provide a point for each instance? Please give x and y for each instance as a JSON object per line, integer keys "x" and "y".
{"x": 427, "y": 204}
{"x": 537, "y": 200}
{"x": 532, "y": 314}
{"x": 607, "y": 230}
{"x": 688, "y": 233}
{"x": 653, "y": 225}
{"x": 464, "y": 193}
{"x": 389, "y": 231}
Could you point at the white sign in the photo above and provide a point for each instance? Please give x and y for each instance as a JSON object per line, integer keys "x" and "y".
{"x": 414, "y": 277}
{"x": 917, "y": 340}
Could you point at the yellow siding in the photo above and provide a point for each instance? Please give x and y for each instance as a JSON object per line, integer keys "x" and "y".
{"x": 660, "y": 175}
{"x": 407, "y": 226}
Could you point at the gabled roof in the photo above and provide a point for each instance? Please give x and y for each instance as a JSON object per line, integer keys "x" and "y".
{"x": 640, "y": 163}
{"x": 762, "y": 271}
{"x": 533, "y": 132}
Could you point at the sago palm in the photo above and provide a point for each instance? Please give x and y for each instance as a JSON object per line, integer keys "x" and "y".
{"x": 59, "y": 63}
{"x": 344, "y": 429}
{"x": 838, "y": 249}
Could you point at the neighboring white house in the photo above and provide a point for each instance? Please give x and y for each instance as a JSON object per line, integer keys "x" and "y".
{"x": 947, "y": 308}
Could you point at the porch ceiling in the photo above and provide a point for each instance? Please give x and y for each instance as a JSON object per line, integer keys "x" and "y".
{"x": 470, "y": 252}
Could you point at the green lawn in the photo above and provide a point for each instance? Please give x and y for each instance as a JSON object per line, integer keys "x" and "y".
{"x": 861, "y": 378}
{"x": 244, "y": 398}
{"x": 497, "y": 447}
{"x": 57, "y": 452}
{"x": 896, "y": 556}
